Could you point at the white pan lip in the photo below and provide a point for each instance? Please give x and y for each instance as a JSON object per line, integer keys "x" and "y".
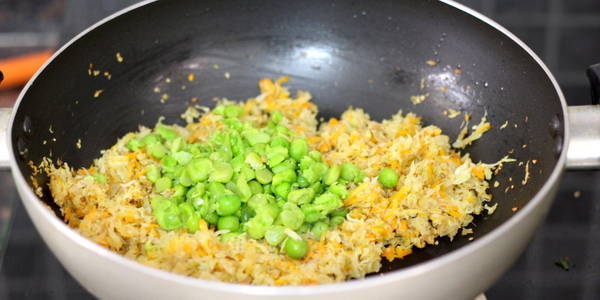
{"x": 370, "y": 282}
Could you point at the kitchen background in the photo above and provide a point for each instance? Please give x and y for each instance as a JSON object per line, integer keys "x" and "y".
{"x": 562, "y": 262}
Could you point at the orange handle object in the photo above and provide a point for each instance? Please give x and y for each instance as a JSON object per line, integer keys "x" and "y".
{"x": 17, "y": 70}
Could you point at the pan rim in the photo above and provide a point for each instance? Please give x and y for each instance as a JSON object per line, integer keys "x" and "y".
{"x": 393, "y": 276}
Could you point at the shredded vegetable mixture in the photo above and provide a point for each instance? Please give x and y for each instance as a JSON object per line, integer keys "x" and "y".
{"x": 433, "y": 192}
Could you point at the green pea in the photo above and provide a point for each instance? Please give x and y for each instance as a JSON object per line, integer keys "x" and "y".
{"x": 337, "y": 220}
{"x": 315, "y": 155}
{"x": 255, "y": 187}
{"x": 157, "y": 150}
{"x": 360, "y": 178}
{"x": 275, "y": 235}
{"x": 265, "y": 218}
{"x": 282, "y": 129}
{"x": 298, "y": 148}
{"x": 134, "y": 144}
{"x": 167, "y": 216}
{"x": 257, "y": 137}
{"x": 182, "y": 157}
{"x": 231, "y": 186}
{"x": 223, "y": 154}
{"x": 318, "y": 188}
{"x": 188, "y": 216}
{"x": 169, "y": 161}
{"x": 311, "y": 216}
{"x": 320, "y": 169}
{"x": 196, "y": 193}
{"x": 254, "y": 160}
{"x": 280, "y": 201}
{"x": 216, "y": 189}
{"x": 326, "y": 202}
{"x": 166, "y": 132}
{"x": 242, "y": 187}
{"x": 202, "y": 205}
{"x": 258, "y": 200}
{"x": 228, "y": 236}
{"x": 260, "y": 149}
{"x": 233, "y": 111}
{"x": 304, "y": 228}
{"x": 263, "y": 175}
{"x": 318, "y": 229}
{"x": 231, "y": 223}
{"x": 310, "y": 176}
{"x": 301, "y": 196}
{"x": 152, "y": 173}
{"x": 228, "y": 204}
{"x": 339, "y": 189}
{"x": 340, "y": 212}
{"x": 196, "y": 149}
{"x": 332, "y": 175}
{"x": 296, "y": 249}
{"x": 219, "y": 110}
{"x": 177, "y": 144}
{"x": 349, "y": 171}
{"x": 222, "y": 172}
{"x": 388, "y": 178}
{"x": 212, "y": 218}
{"x": 267, "y": 189}
{"x": 157, "y": 202}
{"x": 280, "y": 141}
{"x": 237, "y": 163}
{"x": 326, "y": 198}
{"x": 246, "y": 213}
{"x": 284, "y": 166}
{"x": 234, "y": 123}
{"x": 256, "y": 230}
{"x": 302, "y": 182}
{"x": 276, "y": 117}
{"x": 199, "y": 169}
{"x": 291, "y": 216}
{"x": 247, "y": 172}
{"x": 150, "y": 139}
{"x": 288, "y": 175}
{"x": 99, "y": 178}
{"x": 306, "y": 162}
{"x": 276, "y": 155}
{"x": 179, "y": 192}
{"x": 271, "y": 210}
{"x": 162, "y": 184}
{"x": 282, "y": 190}
{"x": 184, "y": 179}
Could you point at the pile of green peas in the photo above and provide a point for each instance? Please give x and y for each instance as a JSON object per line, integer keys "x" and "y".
{"x": 264, "y": 182}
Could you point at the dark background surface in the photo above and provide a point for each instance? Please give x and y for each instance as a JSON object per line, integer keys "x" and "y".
{"x": 564, "y": 33}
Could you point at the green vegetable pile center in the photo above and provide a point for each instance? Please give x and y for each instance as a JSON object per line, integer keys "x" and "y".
{"x": 263, "y": 181}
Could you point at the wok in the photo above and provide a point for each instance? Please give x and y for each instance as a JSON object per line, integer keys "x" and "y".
{"x": 347, "y": 53}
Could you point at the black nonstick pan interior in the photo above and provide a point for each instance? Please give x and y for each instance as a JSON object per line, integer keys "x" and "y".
{"x": 347, "y": 53}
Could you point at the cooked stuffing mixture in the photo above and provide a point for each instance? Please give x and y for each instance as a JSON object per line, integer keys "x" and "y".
{"x": 260, "y": 192}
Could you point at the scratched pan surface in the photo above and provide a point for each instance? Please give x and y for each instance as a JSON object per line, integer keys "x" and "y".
{"x": 346, "y": 53}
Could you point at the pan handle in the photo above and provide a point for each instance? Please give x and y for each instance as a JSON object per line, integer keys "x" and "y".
{"x": 584, "y": 121}
{"x": 584, "y": 145}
